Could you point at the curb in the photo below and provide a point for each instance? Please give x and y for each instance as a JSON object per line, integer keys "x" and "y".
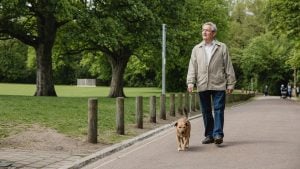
{"x": 119, "y": 146}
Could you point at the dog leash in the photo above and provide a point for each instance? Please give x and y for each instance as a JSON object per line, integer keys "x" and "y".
{"x": 190, "y": 106}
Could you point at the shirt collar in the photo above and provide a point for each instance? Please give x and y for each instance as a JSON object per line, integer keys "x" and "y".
{"x": 214, "y": 42}
{"x": 210, "y": 44}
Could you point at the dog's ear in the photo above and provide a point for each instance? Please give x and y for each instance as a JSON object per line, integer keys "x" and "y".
{"x": 175, "y": 125}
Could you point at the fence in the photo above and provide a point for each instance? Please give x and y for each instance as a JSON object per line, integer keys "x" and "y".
{"x": 86, "y": 82}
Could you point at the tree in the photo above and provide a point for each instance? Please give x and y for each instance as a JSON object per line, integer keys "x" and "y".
{"x": 294, "y": 62}
{"x": 122, "y": 29}
{"x": 139, "y": 74}
{"x": 13, "y": 56}
{"x": 35, "y": 23}
{"x": 184, "y": 20}
{"x": 263, "y": 61}
{"x": 246, "y": 22}
{"x": 117, "y": 29}
{"x": 96, "y": 65}
{"x": 283, "y": 17}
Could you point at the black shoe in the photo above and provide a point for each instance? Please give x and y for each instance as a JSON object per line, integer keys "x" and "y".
{"x": 218, "y": 140}
{"x": 208, "y": 140}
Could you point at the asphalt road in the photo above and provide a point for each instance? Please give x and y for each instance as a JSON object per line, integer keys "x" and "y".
{"x": 259, "y": 134}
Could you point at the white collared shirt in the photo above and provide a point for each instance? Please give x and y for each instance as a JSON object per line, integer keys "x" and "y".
{"x": 208, "y": 51}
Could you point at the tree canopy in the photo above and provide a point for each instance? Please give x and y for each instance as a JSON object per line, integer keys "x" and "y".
{"x": 283, "y": 17}
{"x": 35, "y": 23}
{"x": 119, "y": 42}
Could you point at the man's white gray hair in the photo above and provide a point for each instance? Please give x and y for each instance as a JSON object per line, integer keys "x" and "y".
{"x": 214, "y": 27}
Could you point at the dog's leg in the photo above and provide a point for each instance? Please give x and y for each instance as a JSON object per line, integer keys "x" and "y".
{"x": 187, "y": 141}
{"x": 181, "y": 143}
{"x": 178, "y": 143}
{"x": 188, "y": 134}
{"x": 184, "y": 146}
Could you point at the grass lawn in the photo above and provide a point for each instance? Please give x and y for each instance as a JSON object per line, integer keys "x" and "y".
{"x": 68, "y": 113}
{"x": 74, "y": 91}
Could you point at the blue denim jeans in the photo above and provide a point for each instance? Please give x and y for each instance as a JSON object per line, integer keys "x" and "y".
{"x": 213, "y": 124}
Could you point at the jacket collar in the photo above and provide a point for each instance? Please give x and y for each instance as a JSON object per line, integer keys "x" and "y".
{"x": 202, "y": 44}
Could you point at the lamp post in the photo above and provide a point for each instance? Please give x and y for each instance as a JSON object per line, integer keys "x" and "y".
{"x": 163, "y": 59}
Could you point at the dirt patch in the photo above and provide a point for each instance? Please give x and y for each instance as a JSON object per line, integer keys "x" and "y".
{"x": 45, "y": 139}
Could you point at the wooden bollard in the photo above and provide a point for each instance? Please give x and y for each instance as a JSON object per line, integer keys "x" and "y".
{"x": 152, "y": 109}
{"x": 120, "y": 116}
{"x": 172, "y": 104}
{"x": 139, "y": 112}
{"x": 179, "y": 108}
{"x": 92, "y": 120}
{"x": 163, "y": 107}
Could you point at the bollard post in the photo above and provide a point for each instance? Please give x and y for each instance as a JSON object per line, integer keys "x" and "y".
{"x": 92, "y": 120}
{"x": 179, "y": 109}
{"x": 172, "y": 104}
{"x": 163, "y": 107}
{"x": 139, "y": 112}
{"x": 120, "y": 116}
{"x": 153, "y": 109}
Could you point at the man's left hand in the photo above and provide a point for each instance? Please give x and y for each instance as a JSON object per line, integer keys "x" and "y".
{"x": 229, "y": 91}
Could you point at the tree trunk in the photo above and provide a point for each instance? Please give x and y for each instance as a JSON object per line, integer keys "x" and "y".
{"x": 44, "y": 75}
{"x": 118, "y": 65}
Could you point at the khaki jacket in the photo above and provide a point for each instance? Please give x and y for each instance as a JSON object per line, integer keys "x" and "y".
{"x": 217, "y": 75}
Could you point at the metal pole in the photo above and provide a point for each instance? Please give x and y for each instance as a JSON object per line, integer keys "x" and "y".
{"x": 163, "y": 58}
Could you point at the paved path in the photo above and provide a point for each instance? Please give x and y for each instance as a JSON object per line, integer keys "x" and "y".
{"x": 26, "y": 159}
{"x": 261, "y": 134}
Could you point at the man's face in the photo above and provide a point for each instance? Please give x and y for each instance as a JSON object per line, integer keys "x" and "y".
{"x": 207, "y": 33}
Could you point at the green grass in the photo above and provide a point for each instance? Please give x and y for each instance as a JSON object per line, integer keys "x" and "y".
{"x": 74, "y": 91}
{"x": 67, "y": 113}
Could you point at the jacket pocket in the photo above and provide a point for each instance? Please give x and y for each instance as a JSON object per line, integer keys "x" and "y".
{"x": 218, "y": 77}
{"x": 201, "y": 78}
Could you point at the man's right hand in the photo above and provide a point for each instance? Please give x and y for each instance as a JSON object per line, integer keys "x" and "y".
{"x": 190, "y": 88}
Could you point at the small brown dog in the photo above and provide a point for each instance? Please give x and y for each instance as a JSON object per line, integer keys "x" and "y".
{"x": 183, "y": 130}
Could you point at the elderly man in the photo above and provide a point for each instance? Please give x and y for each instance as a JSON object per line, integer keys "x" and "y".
{"x": 210, "y": 69}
